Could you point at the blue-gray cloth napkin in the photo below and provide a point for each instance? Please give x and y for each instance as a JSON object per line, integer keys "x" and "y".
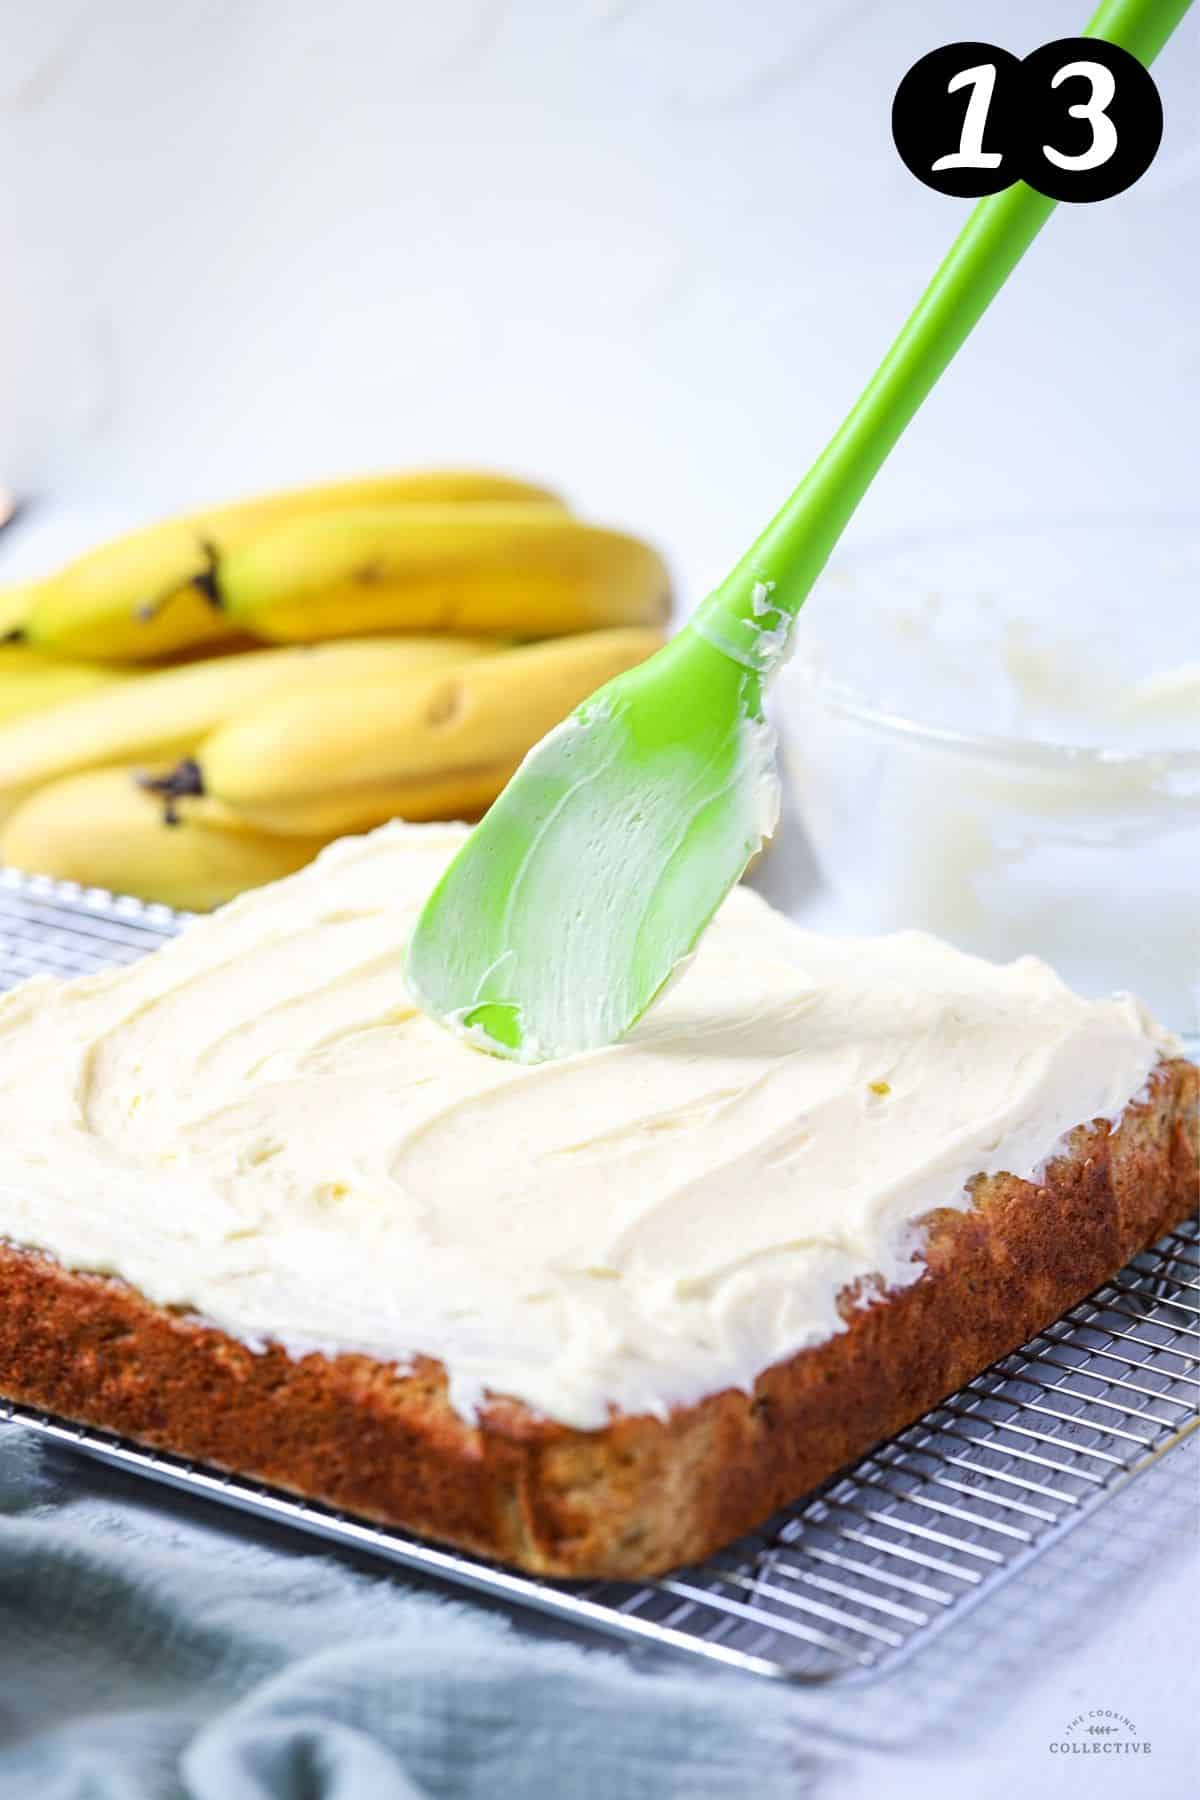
{"x": 152, "y": 1650}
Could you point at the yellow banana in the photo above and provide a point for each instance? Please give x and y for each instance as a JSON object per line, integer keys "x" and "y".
{"x": 516, "y": 571}
{"x": 166, "y": 713}
{"x": 30, "y": 688}
{"x": 102, "y": 830}
{"x": 132, "y": 600}
{"x": 349, "y": 757}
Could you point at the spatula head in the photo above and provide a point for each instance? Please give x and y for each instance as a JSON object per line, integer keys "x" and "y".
{"x": 601, "y": 863}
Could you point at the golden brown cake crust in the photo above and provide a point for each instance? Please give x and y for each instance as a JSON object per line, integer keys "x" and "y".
{"x": 642, "y": 1494}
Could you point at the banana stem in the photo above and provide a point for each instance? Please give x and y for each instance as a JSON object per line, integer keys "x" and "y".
{"x": 184, "y": 782}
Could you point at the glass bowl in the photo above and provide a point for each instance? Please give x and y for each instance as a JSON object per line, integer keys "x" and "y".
{"x": 994, "y": 734}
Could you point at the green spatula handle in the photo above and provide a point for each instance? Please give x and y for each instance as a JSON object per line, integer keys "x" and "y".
{"x": 750, "y": 614}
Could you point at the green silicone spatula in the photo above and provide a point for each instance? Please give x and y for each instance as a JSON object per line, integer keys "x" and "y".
{"x": 597, "y": 869}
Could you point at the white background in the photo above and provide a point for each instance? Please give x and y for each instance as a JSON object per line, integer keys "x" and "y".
{"x": 648, "y": 249}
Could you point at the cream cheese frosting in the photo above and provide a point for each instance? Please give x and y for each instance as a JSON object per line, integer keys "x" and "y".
{"x": 256, "y": 1123}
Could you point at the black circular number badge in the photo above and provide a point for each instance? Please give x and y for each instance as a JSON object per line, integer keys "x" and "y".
{"x": 956, "y": 119}
{"x": 1093, "y": 120}
{"x": 1078, "y": 120}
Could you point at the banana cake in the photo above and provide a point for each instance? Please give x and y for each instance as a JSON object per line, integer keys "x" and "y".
{"x": 597, "y": 1316}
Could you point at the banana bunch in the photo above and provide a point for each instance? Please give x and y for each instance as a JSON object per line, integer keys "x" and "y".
{"x": 199, "y": 706}
{"x": 403, "y": 553}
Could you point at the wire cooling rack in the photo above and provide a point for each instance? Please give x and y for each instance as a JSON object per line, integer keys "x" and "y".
{"x": 860, "y": 1573}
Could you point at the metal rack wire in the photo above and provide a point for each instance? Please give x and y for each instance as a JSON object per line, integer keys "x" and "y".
{"x": 855, "y": 1576}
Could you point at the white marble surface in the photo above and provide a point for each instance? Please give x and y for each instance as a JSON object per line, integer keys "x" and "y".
{"x": 650, "y": 248}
